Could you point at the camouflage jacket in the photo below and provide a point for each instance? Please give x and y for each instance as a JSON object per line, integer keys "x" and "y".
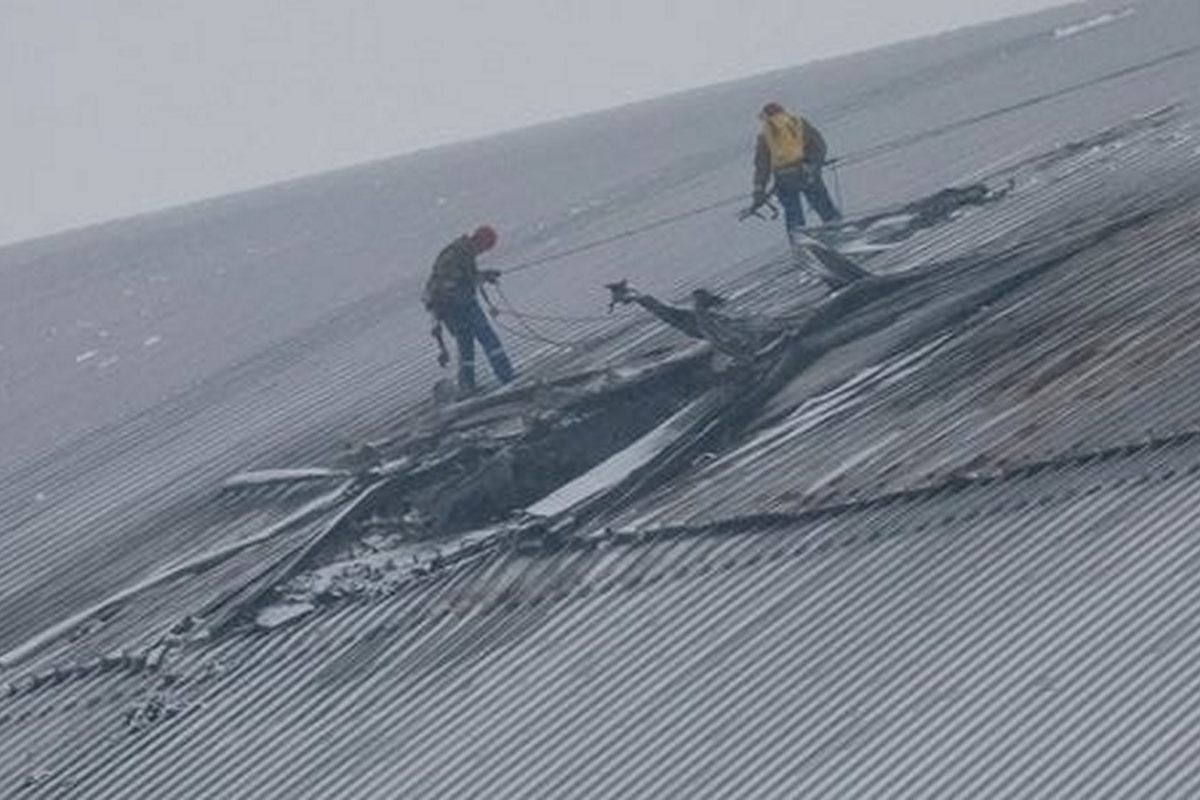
{"x": 454, "y": 278}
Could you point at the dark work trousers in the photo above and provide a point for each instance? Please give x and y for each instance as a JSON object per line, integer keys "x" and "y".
{"x": 807, "y": 180}
{"x": 468, "y": 323}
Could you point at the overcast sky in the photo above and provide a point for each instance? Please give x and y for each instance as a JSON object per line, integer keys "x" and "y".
{"x": 113, "y": 107}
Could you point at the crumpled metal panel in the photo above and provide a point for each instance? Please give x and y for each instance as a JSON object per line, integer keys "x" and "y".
{"x": 1094, "y": 354}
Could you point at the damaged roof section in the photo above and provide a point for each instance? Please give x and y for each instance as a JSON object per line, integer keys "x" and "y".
{"x": 977, "y": 384}
{"x": 639, "y": 429}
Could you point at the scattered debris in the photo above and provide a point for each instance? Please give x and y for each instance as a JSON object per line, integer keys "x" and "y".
{"x": 211, "y": 670}
{"x": 277, "y": 616}
{"x": 157, "y": 707}
{"x": 38, "y": 780}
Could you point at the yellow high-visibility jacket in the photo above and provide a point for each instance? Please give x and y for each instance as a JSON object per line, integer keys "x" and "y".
{"x": 784, "y": 135}
{"x": 786, "y": 142}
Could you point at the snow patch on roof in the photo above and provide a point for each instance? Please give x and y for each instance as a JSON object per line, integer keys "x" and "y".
{"x": 1095, "y": 22}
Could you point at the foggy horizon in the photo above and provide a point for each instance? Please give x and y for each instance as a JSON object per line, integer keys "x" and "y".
{"x": 155, "y": 108}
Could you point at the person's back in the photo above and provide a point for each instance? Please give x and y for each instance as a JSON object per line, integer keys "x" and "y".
{"x": 454, "y": 277}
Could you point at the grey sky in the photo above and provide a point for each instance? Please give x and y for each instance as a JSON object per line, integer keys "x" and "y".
{"x": 114, "y": 107}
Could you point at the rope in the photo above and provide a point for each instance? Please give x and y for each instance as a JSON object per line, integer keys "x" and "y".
{"x": 531, "y": 335}
{"x": 529, "y": 332}
{"x": 864, "y": 155}
{"x": 553, "y": 317}
{"x": 626, "y": 234}
{"x": 869, "y": 153}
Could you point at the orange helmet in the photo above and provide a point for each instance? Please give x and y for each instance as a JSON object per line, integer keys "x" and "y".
{"x": 484, "y": 238}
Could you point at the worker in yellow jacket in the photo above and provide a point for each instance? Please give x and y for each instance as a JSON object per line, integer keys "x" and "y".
{"x": 793, "y": 151}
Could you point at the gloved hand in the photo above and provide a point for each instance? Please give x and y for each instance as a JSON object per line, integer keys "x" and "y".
{"x": 489, "y": 275}
{"x": 443, "y": 359}
{"x": 759, "y": 199}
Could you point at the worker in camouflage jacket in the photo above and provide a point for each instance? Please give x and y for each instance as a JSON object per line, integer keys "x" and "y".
{"x": 451, "y": 295}
{"x": 793, "y": 151}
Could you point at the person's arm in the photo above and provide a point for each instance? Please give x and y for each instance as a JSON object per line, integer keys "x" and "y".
{"x": 762, "y": 166}
{"x": 815, "y": 150}
{"x": 443, "y": 354}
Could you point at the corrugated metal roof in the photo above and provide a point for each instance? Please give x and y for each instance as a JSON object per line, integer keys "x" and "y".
{"x": 953, "y": 556}
{"x": 877, "y": 651}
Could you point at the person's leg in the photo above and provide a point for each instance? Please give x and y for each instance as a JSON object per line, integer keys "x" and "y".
{"x": 817, "y": 194}
{"x": 459, "y": 324}
{"x": 492, "y": 347}
{"x": 789, "y": 198}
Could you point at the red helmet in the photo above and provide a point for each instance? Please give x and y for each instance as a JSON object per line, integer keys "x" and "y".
{"x": 484, "y": 238}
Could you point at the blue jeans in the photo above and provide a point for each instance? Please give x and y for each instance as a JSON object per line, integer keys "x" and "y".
{"x": 468, "y": 323}
{"x": 790, "y": 183}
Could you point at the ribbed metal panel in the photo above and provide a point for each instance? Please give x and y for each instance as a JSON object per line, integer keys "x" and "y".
{"x": 952, "y": 560}
{"x": 935, "y": 645}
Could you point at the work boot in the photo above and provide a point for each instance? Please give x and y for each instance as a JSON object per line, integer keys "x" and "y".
{"x": 466, "y": 380}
